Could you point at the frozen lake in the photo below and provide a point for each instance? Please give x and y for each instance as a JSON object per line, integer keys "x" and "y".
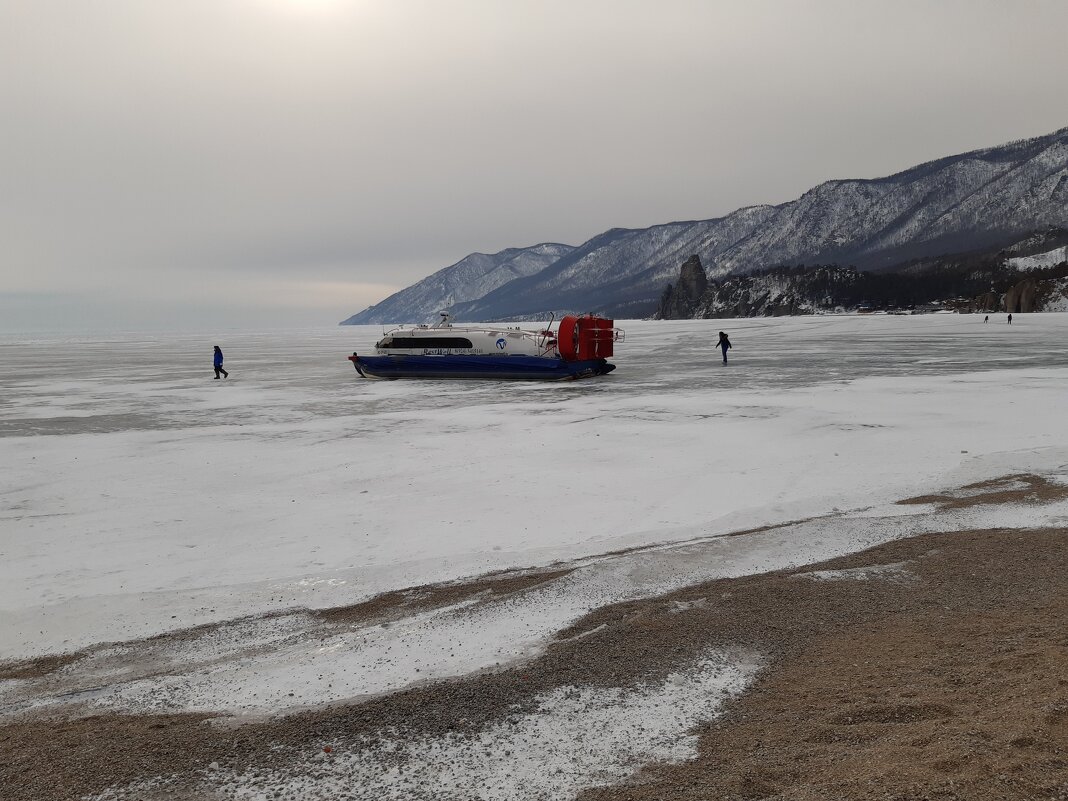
{"x": 139, "y": 495}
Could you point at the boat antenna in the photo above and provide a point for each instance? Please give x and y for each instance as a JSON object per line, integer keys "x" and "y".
{"x": 548, "y": 327}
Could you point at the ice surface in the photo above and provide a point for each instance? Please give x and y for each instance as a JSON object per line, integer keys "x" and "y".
{"x": 138, "y": 495}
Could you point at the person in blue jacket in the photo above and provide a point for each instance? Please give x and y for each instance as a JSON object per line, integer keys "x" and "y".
{"x": 219, "y": 361}
{"x": 724, "y": 344}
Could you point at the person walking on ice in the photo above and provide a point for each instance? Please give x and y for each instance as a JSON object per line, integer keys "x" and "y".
{"x": 724, "y": 344}
{"x": 1010, "y": 319}
{"x": 219, "y": 361}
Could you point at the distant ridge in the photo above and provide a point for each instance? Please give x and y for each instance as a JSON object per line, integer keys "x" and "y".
{"x": 952, "y": 204}
{"x": 467, "y": 279}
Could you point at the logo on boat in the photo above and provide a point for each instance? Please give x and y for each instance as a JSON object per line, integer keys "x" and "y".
{"x": 501, "y": 343}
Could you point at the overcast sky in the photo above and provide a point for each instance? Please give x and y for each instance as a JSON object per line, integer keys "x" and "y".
{"x": 228, "y": 163}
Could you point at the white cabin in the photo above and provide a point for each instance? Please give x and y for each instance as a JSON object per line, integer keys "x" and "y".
{"x": 445, "y": 339}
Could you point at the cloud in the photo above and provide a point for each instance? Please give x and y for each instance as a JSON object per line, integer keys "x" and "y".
{"x": 376, "y": 142}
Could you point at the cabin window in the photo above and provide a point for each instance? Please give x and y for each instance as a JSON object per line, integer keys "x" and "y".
{"x": 420, "y": 343}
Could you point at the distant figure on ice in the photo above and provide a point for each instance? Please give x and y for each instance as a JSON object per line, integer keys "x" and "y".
{"x": 1010, "y": 319}
{"x": 724, "y": 344}
{"x": 986, "y": 319}
{"x": 218, "y": 363}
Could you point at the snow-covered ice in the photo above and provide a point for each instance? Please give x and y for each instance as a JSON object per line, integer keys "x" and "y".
{"x": 140, "y": 496}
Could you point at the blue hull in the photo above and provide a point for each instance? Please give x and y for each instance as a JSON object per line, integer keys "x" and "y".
{"x": 516, "y": 368}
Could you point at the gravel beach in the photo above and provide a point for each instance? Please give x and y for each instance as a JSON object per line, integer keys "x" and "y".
{"x": 933, "y": 666}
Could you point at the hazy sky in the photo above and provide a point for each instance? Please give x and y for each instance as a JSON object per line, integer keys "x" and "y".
{"x": 224, "y": 163}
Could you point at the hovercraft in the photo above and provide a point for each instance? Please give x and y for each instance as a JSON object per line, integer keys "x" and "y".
{"x": 579, "y": 348}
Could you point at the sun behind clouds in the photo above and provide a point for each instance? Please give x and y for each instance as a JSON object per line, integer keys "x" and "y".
{"x": 315, "y": 6}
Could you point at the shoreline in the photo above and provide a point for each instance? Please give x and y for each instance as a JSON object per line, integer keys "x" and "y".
{"x": 832, "y": 687}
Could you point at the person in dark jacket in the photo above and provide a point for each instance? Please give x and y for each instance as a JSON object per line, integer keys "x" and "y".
{"x": 724, "y": 344}
{"x": 1010, "y": 319}
{"x": 218, "y": 363}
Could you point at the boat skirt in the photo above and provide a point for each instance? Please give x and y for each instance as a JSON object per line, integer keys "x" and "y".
{"x": 518, "y": 368}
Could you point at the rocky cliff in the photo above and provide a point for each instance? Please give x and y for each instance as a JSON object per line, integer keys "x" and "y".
{"x": 1037, "y": 294}
{"x": 784, "y": 291}
{"x": 680, "y": 300}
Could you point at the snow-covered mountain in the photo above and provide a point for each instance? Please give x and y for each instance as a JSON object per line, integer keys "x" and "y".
{"x": 1038, "y": 261}
{"x": 470, "y": 278}
{"x": 954, "y": 204}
